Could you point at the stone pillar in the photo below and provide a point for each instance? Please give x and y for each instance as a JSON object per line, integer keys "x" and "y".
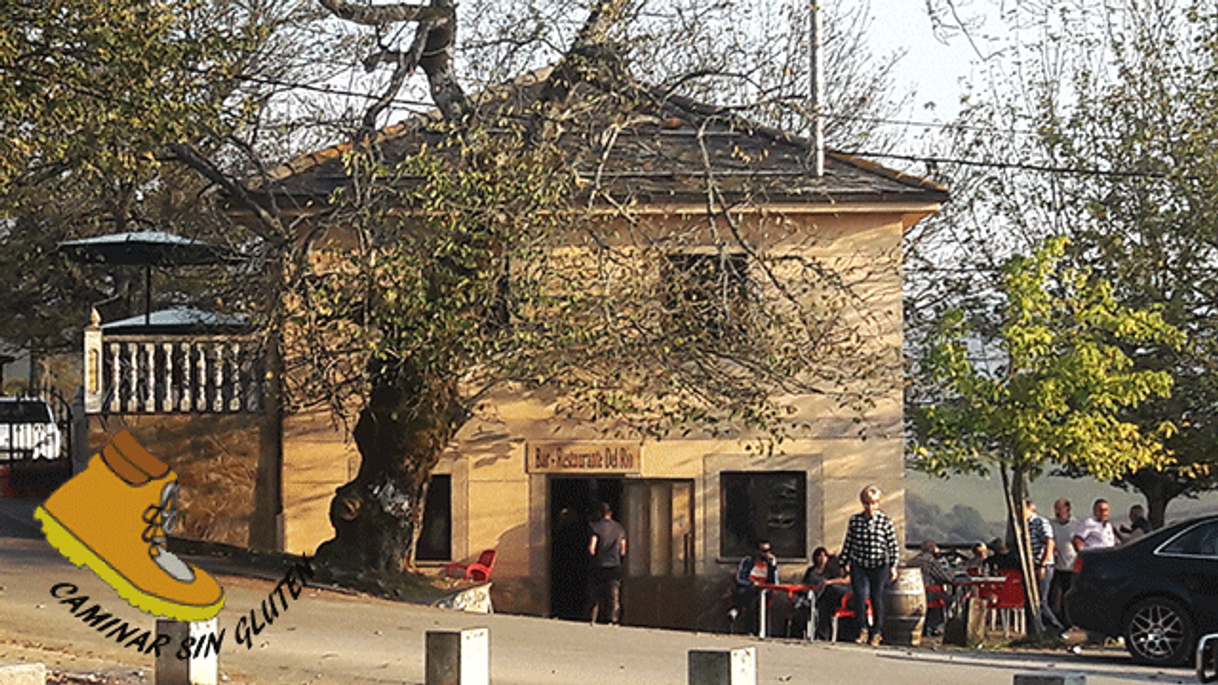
{"x": 460, "y": 657}
{"x": 734, "y": 667}
{"x": 23, "y": 674}
{"x": 94, "y": 384}
{"x": 197, "y": 641}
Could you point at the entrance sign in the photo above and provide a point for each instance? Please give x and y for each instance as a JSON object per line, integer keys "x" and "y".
{"x": 583, "y": 457}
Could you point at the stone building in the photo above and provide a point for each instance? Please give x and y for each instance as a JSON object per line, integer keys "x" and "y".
{"x": 523, "y": 480}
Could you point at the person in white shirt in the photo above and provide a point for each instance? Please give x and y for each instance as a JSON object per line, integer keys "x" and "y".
{"x": 1063, "y": 555}
{"x": 1095, "y": 531}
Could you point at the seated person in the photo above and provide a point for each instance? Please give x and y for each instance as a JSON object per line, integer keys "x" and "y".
{"x": 938, "y": 583}
{"x": 759, "y": 567}
{"x": 1001, "y": 557}
{"x": 979, "y": 564}
{"x": 832, "y": 584}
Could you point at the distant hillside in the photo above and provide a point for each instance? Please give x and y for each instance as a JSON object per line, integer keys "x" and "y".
{"x": 968, "y": 509}
{"x": 959, "y": 524}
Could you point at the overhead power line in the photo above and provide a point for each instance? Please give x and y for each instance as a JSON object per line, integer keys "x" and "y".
{"x": 1021, "y": 166}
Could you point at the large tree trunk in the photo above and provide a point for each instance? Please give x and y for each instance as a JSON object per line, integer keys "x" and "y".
{"x": 1159, "y": 488}
{"x": 400, "y": 436}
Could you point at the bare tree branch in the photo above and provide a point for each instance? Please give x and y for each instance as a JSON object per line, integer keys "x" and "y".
{"x": 380, "y": 15}
{"x": 431, "y": 49}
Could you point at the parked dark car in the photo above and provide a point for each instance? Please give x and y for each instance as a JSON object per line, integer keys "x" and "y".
{"x": 1160, "y": 592}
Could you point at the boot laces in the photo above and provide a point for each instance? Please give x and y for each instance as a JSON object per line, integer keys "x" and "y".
{"x": 161, "y": 519}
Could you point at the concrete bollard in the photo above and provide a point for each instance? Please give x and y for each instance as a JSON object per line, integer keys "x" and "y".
{"x": 23, "y": 674}
{"x": 1050, "y": 678}
{"x": 460, "y": 657}
{"x": 734, "y": 667}
{"x": 201, "y": 667}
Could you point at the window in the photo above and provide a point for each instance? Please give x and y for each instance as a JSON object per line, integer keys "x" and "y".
{"x": 1198, "y": 541}
{"x": 709, "y": 292}
{"x": 763, "y": 505}
{"x": 435, "y": 541}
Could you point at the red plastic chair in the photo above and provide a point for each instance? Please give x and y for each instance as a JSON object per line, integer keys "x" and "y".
{"x": 479, "y": 571}
{"x": 938, "y": 602}
{"x": 845, "y": 611}
{"x": 1007, "y": 601}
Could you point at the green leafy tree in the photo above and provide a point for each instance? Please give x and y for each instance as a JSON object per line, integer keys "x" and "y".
{"x": 128, "y": 115}
{"x": 1051, "y": 388}
{"x": 1109, "y": 108}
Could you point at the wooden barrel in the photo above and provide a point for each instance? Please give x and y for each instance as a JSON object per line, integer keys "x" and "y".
{"x": 905, "y": 609}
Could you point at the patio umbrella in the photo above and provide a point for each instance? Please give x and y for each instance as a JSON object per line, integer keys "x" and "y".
{"x": 147, "y": 249}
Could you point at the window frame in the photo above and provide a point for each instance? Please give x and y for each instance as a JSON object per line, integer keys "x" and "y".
{"x": 785, "y": 547}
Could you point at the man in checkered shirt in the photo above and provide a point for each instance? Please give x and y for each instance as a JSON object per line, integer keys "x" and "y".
{"x": 872, "y": 554}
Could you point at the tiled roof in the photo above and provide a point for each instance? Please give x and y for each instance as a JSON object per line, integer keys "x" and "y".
{"x": 651, "y": 149}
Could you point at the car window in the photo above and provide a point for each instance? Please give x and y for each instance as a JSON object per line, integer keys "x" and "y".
{"x": 1201, "y": 540}
{"x": 24, "y": 412}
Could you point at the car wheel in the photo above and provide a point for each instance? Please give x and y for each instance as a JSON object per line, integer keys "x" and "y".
{"x": 1159, "y": 631}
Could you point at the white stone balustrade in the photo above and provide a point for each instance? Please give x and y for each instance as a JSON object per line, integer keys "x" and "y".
{"x": 169, "y": 374}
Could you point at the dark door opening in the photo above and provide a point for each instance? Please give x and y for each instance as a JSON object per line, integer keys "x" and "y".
{"x": 573, "y": 502}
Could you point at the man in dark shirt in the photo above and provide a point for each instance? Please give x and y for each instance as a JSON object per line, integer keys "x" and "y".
{"x": 759, "y": 567}
{"x": 937, "y": 581}
{"x": 607, "y": 546}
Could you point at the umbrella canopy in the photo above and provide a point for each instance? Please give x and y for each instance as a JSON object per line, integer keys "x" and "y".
{"x": 178, "y": 320}
{"x": 147, "y": 249}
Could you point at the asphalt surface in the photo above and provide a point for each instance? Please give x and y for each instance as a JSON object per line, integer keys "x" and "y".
{"x": 331, "y": 637}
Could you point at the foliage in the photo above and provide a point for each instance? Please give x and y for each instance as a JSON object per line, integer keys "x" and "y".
{"x": 1057, "y": 393}
{"x": 94, "y": 97}
{"x": 1110, "y": 111}
{"x": 99, "y": 87}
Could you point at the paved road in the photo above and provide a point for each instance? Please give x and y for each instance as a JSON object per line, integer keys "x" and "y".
{"x": 326, "y": 637}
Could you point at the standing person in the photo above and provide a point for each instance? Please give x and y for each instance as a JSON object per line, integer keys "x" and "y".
{"x": 1096, "y": 530}
{"x": 872, "y": 553}
{"x": 1044, "y": 546}
{"x": 606, "y": 549}
{"x": 1138, "y": 526}
{"x": 759, "y": 567}
{"x": 1063, "y": 556}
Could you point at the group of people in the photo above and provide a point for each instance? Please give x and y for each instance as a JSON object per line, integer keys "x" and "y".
{"x": 870, "y": 557}
{"x": 1054, "y": 544}
{"x": 869, "y": 560}
{"x": 867, "y": 563}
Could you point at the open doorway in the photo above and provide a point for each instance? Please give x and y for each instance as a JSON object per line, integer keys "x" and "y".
{"x": 572, "y": 504}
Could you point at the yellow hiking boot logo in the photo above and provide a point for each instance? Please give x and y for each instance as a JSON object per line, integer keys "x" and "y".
{"x": 115, "y": 518}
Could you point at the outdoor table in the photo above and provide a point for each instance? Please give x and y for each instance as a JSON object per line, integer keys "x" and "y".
{"x": 791, "y": 589}
{"x": 986, "y": 585}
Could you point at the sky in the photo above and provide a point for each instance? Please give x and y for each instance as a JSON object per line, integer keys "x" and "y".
{"x": 932, "y": 67}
